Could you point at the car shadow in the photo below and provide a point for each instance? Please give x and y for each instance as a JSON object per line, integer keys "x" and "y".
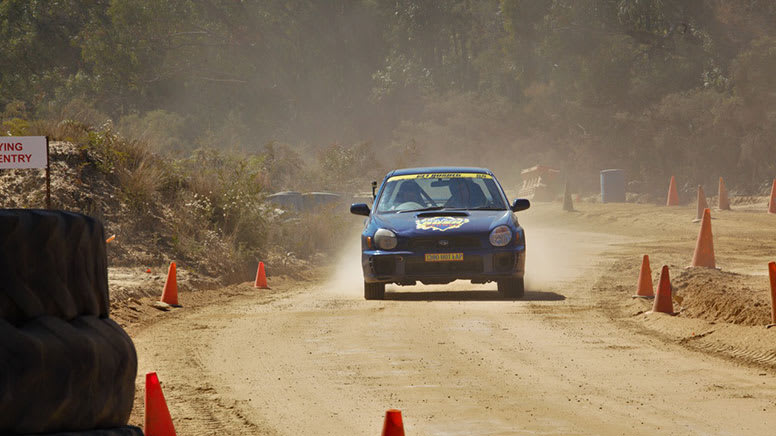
{"x": 470, "y": 296}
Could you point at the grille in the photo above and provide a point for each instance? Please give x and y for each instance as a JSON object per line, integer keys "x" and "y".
{"x": 452, "y": 243}
{"x": 470, "y": 264}
{"x": 383, "y": 265}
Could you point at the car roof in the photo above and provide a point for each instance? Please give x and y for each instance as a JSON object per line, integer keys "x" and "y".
{"x": 423, "y": 170}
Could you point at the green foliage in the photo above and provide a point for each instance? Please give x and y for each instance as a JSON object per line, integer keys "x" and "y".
{"x": 15, "y": 127}
{"x": 586, "y": 81}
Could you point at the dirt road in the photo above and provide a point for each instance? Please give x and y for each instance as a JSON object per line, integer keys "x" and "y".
{"x": 319, "y": 360}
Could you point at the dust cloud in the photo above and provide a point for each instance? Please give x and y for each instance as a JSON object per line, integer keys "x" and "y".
{"x": 557, "y": 256}
{"x": 347, "y": 277}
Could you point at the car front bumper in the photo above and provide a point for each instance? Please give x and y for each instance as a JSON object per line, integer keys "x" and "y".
{"x": 409, "y": 267}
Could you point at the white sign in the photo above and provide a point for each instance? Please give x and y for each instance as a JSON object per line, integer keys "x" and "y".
{"x": 23, "y": 152}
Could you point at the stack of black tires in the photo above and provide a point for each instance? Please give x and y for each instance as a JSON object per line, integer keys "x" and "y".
{"x": 65, "y": 366}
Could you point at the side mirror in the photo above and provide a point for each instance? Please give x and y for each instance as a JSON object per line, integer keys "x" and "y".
{"x": 360, "y": 209}
{"x": 518, "y": 205}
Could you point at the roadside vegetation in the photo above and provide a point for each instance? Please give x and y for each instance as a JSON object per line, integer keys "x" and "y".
{"x": 207, "y": 210}
{"x": 653, "y": 87}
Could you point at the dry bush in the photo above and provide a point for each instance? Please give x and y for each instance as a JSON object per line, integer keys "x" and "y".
{"x": 140, "y": 184}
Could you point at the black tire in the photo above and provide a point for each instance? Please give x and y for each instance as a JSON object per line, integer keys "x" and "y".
{"x": 60, "y": 376}
{"x": 374, "y": 291}
{"x": 512, "y": 288}
{"x": 118, "y": 431}
{"x": 53, "y": 263}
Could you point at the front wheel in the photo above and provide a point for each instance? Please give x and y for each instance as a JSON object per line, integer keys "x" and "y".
{"x": 511, "y": 288}
{"x": 374, "y": 291}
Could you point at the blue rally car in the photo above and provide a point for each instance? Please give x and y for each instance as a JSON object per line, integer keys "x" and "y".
{"x": 436, "y": 225}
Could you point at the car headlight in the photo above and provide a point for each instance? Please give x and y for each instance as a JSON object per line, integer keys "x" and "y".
{"x": 385, "y": 239}
{"x": 500, "y": 236}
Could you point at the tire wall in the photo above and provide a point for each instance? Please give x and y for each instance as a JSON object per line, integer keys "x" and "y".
{"x": 118, "y": 431}
{"x": 57, "y": 375}
{"x": 64, "y": 365}
{"x": 51, "y": 263}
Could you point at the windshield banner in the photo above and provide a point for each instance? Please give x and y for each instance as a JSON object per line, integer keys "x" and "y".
{"x": 442, "y": 176}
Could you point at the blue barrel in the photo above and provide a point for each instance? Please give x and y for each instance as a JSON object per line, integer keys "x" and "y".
{"x": 613, "y": 186}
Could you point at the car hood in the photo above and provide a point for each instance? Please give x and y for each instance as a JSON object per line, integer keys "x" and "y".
{"x": 443, "y": 222}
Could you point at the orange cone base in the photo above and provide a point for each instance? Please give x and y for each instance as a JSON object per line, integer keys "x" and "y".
{"x": 650, "y": 312}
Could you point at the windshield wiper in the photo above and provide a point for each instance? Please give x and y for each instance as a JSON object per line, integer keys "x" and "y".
{"x": 425, "y": 209}
{"x": 487, "y": 208}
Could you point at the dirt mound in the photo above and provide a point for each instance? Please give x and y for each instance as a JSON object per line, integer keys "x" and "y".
{"x": 721, "y": 296}
{"x": 74, "y": 184}
{"x": 78, "y": 185}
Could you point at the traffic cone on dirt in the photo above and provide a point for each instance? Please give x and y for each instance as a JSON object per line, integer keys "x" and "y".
{"x": 393, "y": 425}
{"x": 704, "y": 246}
{"x": 663, "y": 301}
{"x": 157, "y": 417}
{"x": 646, "y": 288}
{"x": 261, "y": 278}
{"x": 110, "y": 239}
{"x": 568, "y": 206}
{"x": 772, "y": 202}
{"x": 772, "y": 275}
{"x": 702, "y": 204}
{"x": 723, "y": 203}
{"x": 170, "y": 293}
{"x": 673, "y": 195}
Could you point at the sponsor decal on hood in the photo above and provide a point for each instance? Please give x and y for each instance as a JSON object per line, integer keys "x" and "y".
{"x": 440, "y": 223}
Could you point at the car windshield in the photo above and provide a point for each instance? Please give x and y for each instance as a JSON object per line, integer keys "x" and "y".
{"x": 434, "y": 191}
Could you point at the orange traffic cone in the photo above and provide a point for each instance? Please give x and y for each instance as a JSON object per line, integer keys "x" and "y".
{"x": 704, "y": 246}
{"x": 723, "y": 202}
{"x": 702, "y": 204}
{"x": 772, "y": 274}
{"x": 663, "y": 302}
{"x": 393, "y": 425}
{"x": 645, "y": 289}
{"x": 170, "y": 293}
{"x": 261, "y": 278}
{"x": 772, "y": 202}
{"x": 157, "y": 417}
{"x": 673, "y": 196}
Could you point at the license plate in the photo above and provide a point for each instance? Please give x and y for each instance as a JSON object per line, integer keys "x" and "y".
{"x": 444, "y": 257}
